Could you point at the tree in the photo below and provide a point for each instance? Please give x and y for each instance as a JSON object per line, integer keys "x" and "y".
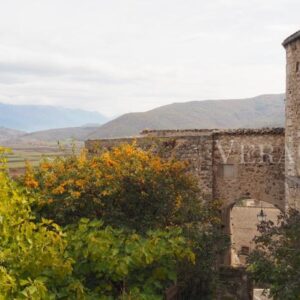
{"x": 32, "y": 261}
{"x": 209, "y": 243}
{"x": 125, "y": 187}
{"x": 136, "y": 191}
{"x": 113, "y": 263}
{"x": 275, "y": 263}
{"x": 87, "y": 260}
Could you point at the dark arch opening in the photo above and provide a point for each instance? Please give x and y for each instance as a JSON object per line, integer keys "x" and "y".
{"x": 240, "y": 223}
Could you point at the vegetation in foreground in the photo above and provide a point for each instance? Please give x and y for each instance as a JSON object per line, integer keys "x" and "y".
{"x": 276, "y": 261}
{"x": 123, "y": 225}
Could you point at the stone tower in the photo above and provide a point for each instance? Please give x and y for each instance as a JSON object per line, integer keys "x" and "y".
{"x": 292, "y": 133}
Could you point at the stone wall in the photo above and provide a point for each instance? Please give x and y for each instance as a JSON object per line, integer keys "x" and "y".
{"x": 195, "y": 148}
{"x": 292, "y": 45}
{"x": 235, "y": 285}
{"x": 230, "y": 164}
{"x": 249, "y": 164}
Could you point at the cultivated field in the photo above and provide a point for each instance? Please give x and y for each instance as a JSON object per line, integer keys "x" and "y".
{"x": 35, "y": 153}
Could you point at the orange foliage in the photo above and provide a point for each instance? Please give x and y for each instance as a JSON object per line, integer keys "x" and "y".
{"x": 29, "y": 179}
{"x": 121, "y": 185}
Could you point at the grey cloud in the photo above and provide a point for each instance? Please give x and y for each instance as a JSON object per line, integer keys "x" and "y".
{"x": 118, "y": 56}
{"x": 77, "y": 72}
{"x": 19, "y": 69}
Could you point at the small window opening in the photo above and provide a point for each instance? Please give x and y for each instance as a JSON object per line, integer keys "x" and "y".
{"x": 245, "y": 250}
{"x": 297, "y": 66}
{"x": 266, "y": 158}
{"x": 229, "y": 171}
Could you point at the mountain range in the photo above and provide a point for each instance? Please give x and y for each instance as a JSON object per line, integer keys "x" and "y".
{"x": 260, "y": 111}
{"x": 42, "y": 117}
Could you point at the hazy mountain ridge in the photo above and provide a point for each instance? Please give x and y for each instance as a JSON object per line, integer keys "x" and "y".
{"x": 261, "y": 111}
{"x": 76, "y": 133}
{"x": 7, "y": 133}
{"x": 42, "y": 117}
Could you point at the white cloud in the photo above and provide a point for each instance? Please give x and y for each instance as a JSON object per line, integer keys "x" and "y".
{"x": 130, "y": 55}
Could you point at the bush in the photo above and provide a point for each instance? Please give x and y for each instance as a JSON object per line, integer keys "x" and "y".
{"x": 125, "y": 187}
{"x": 32, "y": 260}
{"x": 209, "y": 242}
{"x": 276, "y": 260}
{"x": 111, "y": 262}
{"x": 87, "y": 260}
{"x": 135, "y": 191}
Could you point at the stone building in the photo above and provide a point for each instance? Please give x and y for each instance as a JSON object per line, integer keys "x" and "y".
{"x": 292, "y": 136}
{"x": 243, "y": 164}
{"x": 230, "y": 165}
{"x": 258, "y": 165}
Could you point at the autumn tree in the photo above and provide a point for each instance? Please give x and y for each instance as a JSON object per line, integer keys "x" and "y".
{"x": 125, "y": 187}
{"x": 40, "y": 260}
{"x": 135, "y": 190}
{"x": 32, "y": 254}
{"x": 86, "y": 260}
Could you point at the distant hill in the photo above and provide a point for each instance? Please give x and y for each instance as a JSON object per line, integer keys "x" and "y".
{"x": 6, "y": 133}
{"x": 59, "y": 134}
{"x": 261, "y": 111}
{"x": 41, "y": 117}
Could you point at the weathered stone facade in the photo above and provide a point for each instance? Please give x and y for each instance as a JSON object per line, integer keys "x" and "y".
{"x": 257, "y": 160}
{"x": 195, "y": 147}
{"x": 292, "y": 46}
{"x": 230, "y": 164}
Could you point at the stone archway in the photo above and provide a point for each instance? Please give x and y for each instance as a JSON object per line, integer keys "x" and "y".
{"x": 241, "y": 225}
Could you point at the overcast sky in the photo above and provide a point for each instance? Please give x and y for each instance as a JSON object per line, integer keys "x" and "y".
{"x": 133, "y": 55}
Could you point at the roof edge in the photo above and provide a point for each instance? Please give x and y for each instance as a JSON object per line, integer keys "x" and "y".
{"x": 295, "y": 36}
{"x": 196, "y": 132}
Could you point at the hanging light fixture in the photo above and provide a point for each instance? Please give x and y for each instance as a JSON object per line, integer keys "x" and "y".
{"x": 261, "y": 216}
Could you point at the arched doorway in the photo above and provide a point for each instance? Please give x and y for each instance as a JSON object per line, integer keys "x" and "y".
{"x": 244, "y": 216}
